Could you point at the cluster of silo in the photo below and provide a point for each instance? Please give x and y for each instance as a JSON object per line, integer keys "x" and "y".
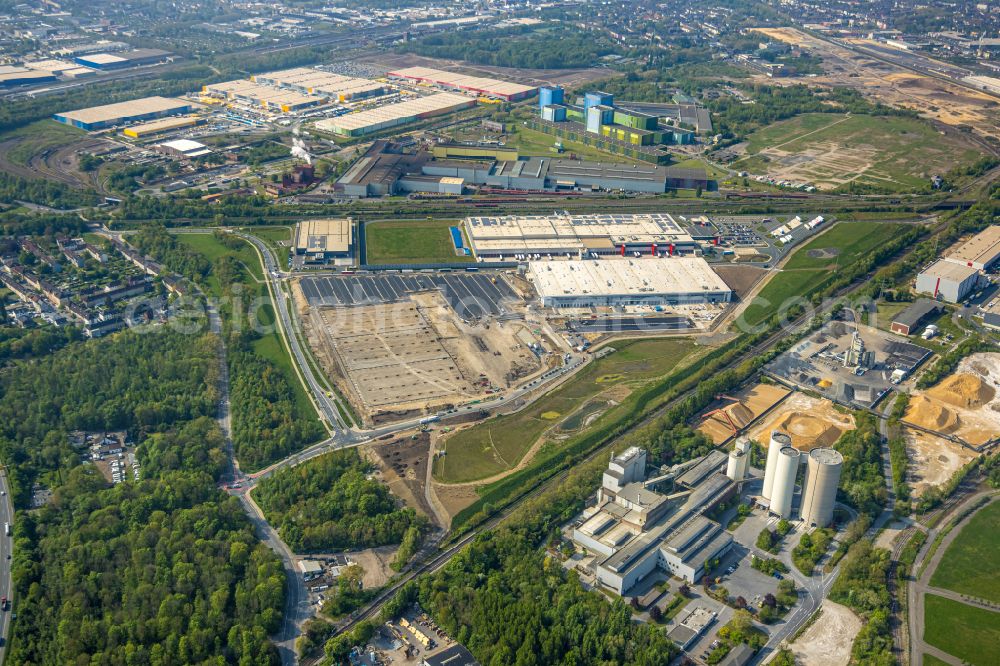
{"x": 819, "y": 491}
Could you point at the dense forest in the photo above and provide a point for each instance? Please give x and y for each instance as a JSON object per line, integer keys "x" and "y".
{"x": 162, "y": 570}
{"x": 863, "y": 587}
{"x": 552, "y": 48}
{"x": 132, "y": 381}
{"x": 329, "y": 504}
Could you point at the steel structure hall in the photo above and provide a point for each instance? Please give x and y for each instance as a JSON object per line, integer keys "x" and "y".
{"x": 480, "y": 85}
{"x": 110, "y": 115}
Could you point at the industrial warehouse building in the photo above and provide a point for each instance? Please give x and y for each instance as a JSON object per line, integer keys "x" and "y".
{"x": 480, "y": 85}
{"x": 394, "y": 115}
{"x": 310, "y": 81}
{"x": 162, "y": 125}
{"x": 184, "y": 148}
{"x": 269, "y": 98}
{"x": 980, "y": 252}
{"x": 110, "y": 115}
{"x": 542, "y": 173}
{"x": 620, "y": 282}
{"x": 322, "y": 240}
{"x": 907, "y": 321}
{"x": 134, "y": 58}
{"x": 635, "y": 530}
{"x": 947, "y": 280}
{"x": 583, "y": 235}
{"x": 11, "y": 75}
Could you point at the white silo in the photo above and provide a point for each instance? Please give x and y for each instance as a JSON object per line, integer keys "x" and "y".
{"x": 778, "y": 441}
{"x": 736, "y": 468}
{"x": 819, "y": 492}
{"x": 784, "y": 481}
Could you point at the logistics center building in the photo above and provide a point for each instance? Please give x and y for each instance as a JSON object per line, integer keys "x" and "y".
{"x": 583, "y": 235}
{"x": 394, "y": 115}
{"x": 619, "y": 282}
{"x": 310, "y": 81}
{"x": 110, "y": 115}
{"x": 480, "y": 85}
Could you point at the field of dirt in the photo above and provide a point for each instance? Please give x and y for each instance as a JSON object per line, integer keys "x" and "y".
{"x": 752, "y": 403}
{"x": 454, "y": 498}
{"x": 965, "y": 404}
{"x": 741, "y": 279}
{"x": 402, "y": 462}
{"x": 827, "y": 642}
{"x": 810, "y": 422}
{"x": 932, "y": 460}
{"x": 563, "y": 77}
{"x": 399, "y": 360}
{"x": 948, "y": 103}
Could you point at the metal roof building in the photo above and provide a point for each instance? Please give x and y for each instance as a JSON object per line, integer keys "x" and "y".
{"x": 109, "y": 115}
{"x": 627, "y": 282}
{"x": 979, "y": 252}
{"x": 393, "y": 115}
{"x": 909, "y": 319}
{"x": 323, "y": 239}
{"x": 476, "y": 84}
{"x": 950, "y": 281}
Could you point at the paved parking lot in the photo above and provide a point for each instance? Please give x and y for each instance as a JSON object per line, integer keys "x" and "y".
{"x": 472, "y": 296}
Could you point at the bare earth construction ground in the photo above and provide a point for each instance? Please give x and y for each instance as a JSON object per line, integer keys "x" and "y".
{"x": 965, "y": 404}
{"x": 810, "y": 422}
{"x": 946, "y": 102}
{"x": 827, "y": 642}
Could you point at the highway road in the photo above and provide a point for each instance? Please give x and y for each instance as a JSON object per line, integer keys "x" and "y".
{"x": 6, "y": 551}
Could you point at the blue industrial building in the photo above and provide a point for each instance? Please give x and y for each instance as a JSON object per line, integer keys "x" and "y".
{"x": 598, "y": 99}
{"x": 549, "y": 95}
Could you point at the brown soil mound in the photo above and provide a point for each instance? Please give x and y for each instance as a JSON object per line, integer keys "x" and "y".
{"x": 809, "y": 432}
{"x": 932, "y": 415}
{"x": 741, "y": 414}
{"x": 963, "y": 390}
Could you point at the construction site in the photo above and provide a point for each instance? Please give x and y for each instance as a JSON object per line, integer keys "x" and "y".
{"x": 418, "y": 350}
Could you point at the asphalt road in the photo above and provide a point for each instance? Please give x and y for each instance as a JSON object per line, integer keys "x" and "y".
{"x": 6, "y": 550}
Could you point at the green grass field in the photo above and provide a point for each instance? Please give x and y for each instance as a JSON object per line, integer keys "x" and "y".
{"x": 532, "y": 142}
{"x": 930, "y": 660}
{"x": 38, "y": 137}
{"x": 498, "y": 444}
{"x": 971, "y": 563}
{"x": 846, "y": 240}
{"x": 271, "y": 237}
{"x": 269, "y": 345}
{"x": 842, "y": 245}
{"x": 417, "y": 242}
{"x": 969, "y": 633}
{"x": 896, "y": 154}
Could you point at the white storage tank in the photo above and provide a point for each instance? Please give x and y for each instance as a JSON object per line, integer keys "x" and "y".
{"x": 736, "y": 468}
{"x": 778, "y": 440}
{"x": 783, "y": 489}
{"x": 819, "y": 493}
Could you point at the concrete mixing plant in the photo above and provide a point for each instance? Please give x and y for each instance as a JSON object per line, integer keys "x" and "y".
{"x": 783, "y": 488}
{"x": 779, "y": 440}
{"x": 819, "y": 493}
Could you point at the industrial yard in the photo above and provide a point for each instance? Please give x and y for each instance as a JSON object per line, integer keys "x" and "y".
{"x": 743, "y": 409}
{"x": 964, "y": 405}
{"x": 809, "y": 422}
{"x": 851, "y": 364}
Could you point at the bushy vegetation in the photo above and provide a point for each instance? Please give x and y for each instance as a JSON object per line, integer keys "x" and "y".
{"x": 862, "y": 483}
{"x": 155, "y": 241}
{"x": 509, "y": 603}
{"x": 947, "y": 362}
{"x": 329, "y": 504}
{"x": 811, "y": 547}
{"x": 769, "y": 565}
{"x": 863, "y": 587}
{"x": 44, "y": 192}
{"x": 18, "y": 343}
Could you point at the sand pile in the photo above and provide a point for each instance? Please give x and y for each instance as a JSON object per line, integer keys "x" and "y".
{"x": 932, "y": 415}
{"x": 740, "y": 413}
{"x": 963, "y": 390}
{"x": 808, "y": 432}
